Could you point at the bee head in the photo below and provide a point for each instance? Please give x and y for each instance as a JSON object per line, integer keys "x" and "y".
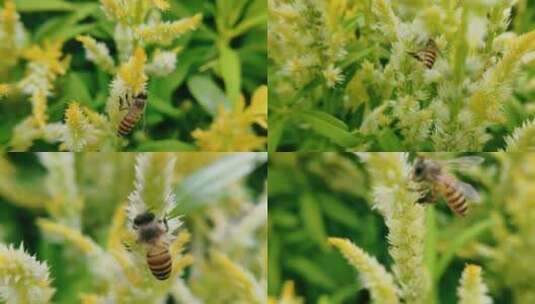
{"x": 140, "y": 100}
{"x": 419, "y": 169}
{"x": 143, "y": 219}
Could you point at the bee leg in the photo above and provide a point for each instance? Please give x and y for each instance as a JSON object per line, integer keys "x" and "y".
{"x": 165, "y": 223}
{"x": 124, "y": 103}
{"x": 427, "y": 197}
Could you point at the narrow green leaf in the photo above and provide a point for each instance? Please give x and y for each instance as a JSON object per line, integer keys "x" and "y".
{"x": 27, "y": 6}
{"x": 327, "y": 118}
{"x": 207, "y": 93}
{"x": 165, "y": 145}
{"x": 54, "y": 26}
{"x": 248, "y": 24}
{"x": 338, "y": 212}
{"x": 163, "y": 107}
{"x": 230, "y": 66}
{"x": 459, "y": 241}
{"x": 313, "y": 220}
{"x": 71, "y": 32}
{"x": 388, "y": 141}
{"x": 274, "y": 273}
{"x": 206, "y": 185}
{"x": 276, "y": 127}
{"x": 311, "y": 272}
{"x": 236, "y": 11}
{"x": 330, "y": 127}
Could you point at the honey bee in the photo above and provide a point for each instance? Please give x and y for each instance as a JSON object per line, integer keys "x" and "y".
{"x": 427, "y": 55}
{"x": 435, "y": 180}
{"x": 135, "y": 110}
{"x": 151, "y": 232}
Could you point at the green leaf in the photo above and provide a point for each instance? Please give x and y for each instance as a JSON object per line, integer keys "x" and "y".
{"x": 248, "y": 24}
{"x": 230, "y": 66}
{"x": 60, "y": 26}
{"x": 458, "y": 242}
{"x": 313, "y": 220}
{"x": 27, "y": 6}
{"x": 76, "y": 88}
{"x": 276, "y": 127}
{"x": 71, "y": 32}
{"x": 165, "y": 145}
{"x": 207, "y": 184}
{"x": 165, "y": 108}
{"x": 274, "y": 273}
{"x": 330, "y": 127}
{"x": 388, "y": 141}
{"x": 236, "y": 11}
{"x": 207, "y": 93}
{"x": 338, "y": 212}
{"x": 311, "y": 272}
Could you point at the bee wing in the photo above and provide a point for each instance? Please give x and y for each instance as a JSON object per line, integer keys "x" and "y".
{"x": 469, "y": 192}
{"x": 462, "y": 163}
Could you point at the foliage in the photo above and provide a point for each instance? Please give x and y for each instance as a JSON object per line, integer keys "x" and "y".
{"x": 71, "y": 69}
{"x": 343, "y": 75}
{"x": 82, "y": 227}
{"x": 363, "y": 205}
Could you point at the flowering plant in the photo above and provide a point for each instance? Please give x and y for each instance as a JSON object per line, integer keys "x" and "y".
{"x": 386, "y": 75}
{"x": 96, "y": 71}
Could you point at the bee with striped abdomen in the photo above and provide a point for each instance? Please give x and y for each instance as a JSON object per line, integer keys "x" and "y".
{"x": 151, "y": 232}
{"x": 135, "y": 110}
{"x": 427, "y": 55}
{"x": 435, "y": 181}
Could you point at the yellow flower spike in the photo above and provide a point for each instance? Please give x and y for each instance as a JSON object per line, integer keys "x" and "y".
{"x": 13, "y": 38}
{"x": 114, "y": 10}
{"x": 132, "y": 273}
{"x": 133, "y": 72}
{"x": 5, "y": 89}
{"x": 9, "y": 17}
{"x": 74, "y": 116}
{"x": 24, "y": 134}
{"x": 181, "y": 263}
{"x": 11, "y": 189}
{"x": 374, "y": 275}
{"x": 98, "y": 53}
{"x": 95, "y": 118}
{"x": 288, "y": 295}
{"x": 39, "y": 107}
{"x": 335, "y": 12}
{"x": 258, "y": 107}
{"x": 231, "y": 130}
{"x": 80, "y": 134}
{"x": 237, "y": 275}
{"x": 165, "y": 32}
{"x": 86, "y": 245}
{"x": 161, "y": 4}
{"x": 178, "y": 244}
{"x": 523, "y": 138}
{"x": 90, "y": 298}
{"x": 117, "y": 227}
{"x": 489, "y": 98}
{"x": 23, "y": 278}
{"x": 50, "y": 55}
{"x": 472, "y": 289}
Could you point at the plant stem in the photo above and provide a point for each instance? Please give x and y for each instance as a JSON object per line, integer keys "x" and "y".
{"x": 431, "y": 250}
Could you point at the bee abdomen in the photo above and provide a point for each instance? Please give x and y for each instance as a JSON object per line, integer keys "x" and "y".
{"x": 456, "y": 201}
{"x": 160, "y": 263}
{"x": 127, "y": 124}
{"x": 428, "y": 58}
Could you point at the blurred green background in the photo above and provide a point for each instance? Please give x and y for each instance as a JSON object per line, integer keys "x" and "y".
{"x": 313, "y": 196}
{"x": 178, "y": 103}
